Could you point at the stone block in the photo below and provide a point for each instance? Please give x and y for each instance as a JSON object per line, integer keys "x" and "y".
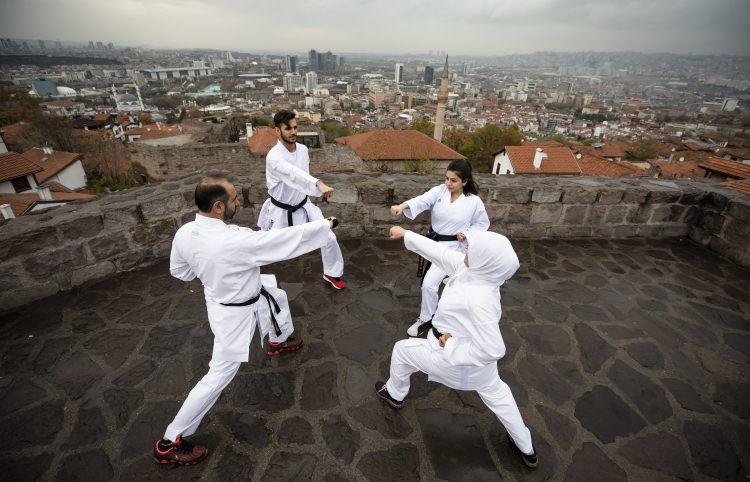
{"x": 616, "y": 214}
{"x": 383, "y": 214}
{"x": 344, "y": 195}
{"x": 131, "y": 259}
{"x": 739, "y": 209}
{"x": 737, "y": 232}
{"x": 692, "y": 215}
{"x": 663, "y": 195}
{"x": 700, "y": 235}
{"x": 574, "y": 214}
{"x": 667, "y": 213}
{"x": 377, "y": 193}
{"x": 252, "y": 195}
{"x": 691, "y": 195}
{"x": 93, "y": 272}
{"x": 125, "y": 216}
{"x": 579, "y": 196}
{"x": 635, "y": 196}
{"x": 624, "y": 231}
{"x": 519, "y": 214}
{"x": 546, "y": 195}
{"x": 80, "y": 227}
{"x": 149, "y": 233}
{"x": 527, "y": 231}
{"x": 511, "y": 194}
{"x": 610, "y": 196}
{"x": 545, "y": 213}
{"x": 24, "y": 294}
{"x": 498, "y": 213}
{"x": 42, "y": 265}
{"x": 9, "y": 276}
{"x": 596, "y": 214}
{"x": 164, "y": 205}
{"x": 25, "y": 242}
{"x": 566, "y": 232}
{"x": 712, "y": 222}
{"x": 109, "y": 245}
{"x": 715, "y": 201}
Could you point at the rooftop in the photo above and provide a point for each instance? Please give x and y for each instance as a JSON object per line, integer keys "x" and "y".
{"x": 617, "y": 351}
{"x": 386, "y": 144}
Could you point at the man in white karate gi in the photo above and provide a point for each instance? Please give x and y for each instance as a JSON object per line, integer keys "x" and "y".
{"x": 463, "y": 347}
{"x": 289, "y": 184}
{"x": 227, "y": 259}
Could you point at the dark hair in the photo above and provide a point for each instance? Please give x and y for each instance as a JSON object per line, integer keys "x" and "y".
{"x": 463, "y": 169}
{"x": 283, "y": 117}
{"x": 210, "y": 190}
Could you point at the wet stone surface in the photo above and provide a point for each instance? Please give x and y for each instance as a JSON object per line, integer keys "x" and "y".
{"x": 628, "y": 360}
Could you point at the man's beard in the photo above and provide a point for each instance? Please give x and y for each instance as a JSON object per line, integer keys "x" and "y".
{"x": 228, "y": 217}
{"x": 288, "y": 140}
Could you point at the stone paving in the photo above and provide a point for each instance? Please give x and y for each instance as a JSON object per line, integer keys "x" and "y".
{"x": 628, "y": 359}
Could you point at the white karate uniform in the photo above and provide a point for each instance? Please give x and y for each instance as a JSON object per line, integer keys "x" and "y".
{"x": 289, "y": 181}
{"x": 470, "y": 311}
{"x": 227, "y": 260}
{"x": 448, "y": 218}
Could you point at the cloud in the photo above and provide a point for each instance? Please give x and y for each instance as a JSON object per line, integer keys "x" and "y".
{"x": 470, "y": 27}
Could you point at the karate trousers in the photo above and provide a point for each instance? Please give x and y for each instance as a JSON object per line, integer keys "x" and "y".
{"x": 430, "y": 285}
{"x": 273, "y": 217}
{"x": 417, "y": 355}
{"x": 201, "y": 398}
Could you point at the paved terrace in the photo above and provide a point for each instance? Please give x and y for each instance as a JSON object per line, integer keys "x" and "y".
{"x": 629, "y": 359}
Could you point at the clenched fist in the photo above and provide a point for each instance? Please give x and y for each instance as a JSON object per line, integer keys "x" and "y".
{"x": 397, "y": 232}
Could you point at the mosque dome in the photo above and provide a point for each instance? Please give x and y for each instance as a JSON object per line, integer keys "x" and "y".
{"x": 66, "y": 91}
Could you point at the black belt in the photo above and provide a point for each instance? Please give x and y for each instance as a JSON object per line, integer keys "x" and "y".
{"x": 270, "y": 300}
{"x": 423, "y": 265}
{"x": 436, "y": 333}
{"x": 288, "y": 208}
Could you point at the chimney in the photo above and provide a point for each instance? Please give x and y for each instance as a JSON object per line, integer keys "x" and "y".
{"x": 45, "y": 194}
{"x": 158, "y": 125}
{"x": 249, "y": 128}
{"x": 578, "y": 156}
{"x": 47, "y": 150}
{"x": 539, "y": 155}
{"x": 682, "y": 159}
{"x": 6, "y": 211}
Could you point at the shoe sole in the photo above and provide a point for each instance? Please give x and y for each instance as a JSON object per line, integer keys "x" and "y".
{"x": 390, "y": 402}
{"x": 529, "y": 465}
{"x": 182, "y": 464}
{"x": 419, "y": 333}
{"x": 331, "y": 283}
{"x": 282, "y": 350}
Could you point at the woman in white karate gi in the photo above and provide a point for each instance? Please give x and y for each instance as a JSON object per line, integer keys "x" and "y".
{"x": 455, "y": 208}
{"x": 227, "y": 259}
{"x": 462, "y": 349}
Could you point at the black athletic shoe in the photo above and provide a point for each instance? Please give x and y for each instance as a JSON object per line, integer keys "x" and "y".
{"x": 382, "y": 392}
{"x": 179, "y": 452}
{"x": 532, "y": 460}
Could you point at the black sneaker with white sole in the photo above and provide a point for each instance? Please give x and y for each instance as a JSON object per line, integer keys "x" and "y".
{"x": 382, "y": 392}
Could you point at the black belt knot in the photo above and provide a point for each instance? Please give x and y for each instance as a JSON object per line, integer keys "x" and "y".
{"x": 289, "y": 208}
{"x": 270, "y": 300}
{"x": 423, "y": 265}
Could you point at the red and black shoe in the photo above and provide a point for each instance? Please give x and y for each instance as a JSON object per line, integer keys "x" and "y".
{"x": 337, "y": 283}
{"x": 179, "y": 452}
{"x": 290, "y": 344}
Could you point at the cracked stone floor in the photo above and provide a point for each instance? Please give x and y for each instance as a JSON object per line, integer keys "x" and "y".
{"x": 628, "y": 359}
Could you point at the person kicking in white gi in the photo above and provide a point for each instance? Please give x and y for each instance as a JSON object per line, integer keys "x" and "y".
{"x": 455, "y": 207}
{"x": 463, "y": 347}
{"x": 289, "y": 184}
{"x": 227, "y": 259}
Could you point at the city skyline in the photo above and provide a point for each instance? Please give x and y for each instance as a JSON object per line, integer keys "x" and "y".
{"x": 682, "y": 27}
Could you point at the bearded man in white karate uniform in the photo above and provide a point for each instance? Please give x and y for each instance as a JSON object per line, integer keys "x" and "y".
{"x": 463, "y": 347}
{"x": 227, "y": 259}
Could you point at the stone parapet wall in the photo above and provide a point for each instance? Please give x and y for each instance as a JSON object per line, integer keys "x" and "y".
{"x": 68, "y": 246}
{"x": 166, "y": 163}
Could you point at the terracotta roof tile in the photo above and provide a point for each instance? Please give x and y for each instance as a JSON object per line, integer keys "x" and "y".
{"x": 600, "y": 166}
{"x": 560, "y": 160}
{"x": 725, "y": 166}
{"x": 21, "y": 202}
{"x": 388, "y": 144}
{"x": 51, "y": 163}
{"x": 742, "y": 186}
{"x": 14, "y": 165}
{"x": 677, "y": 169}
{"x": 262, "y": 140}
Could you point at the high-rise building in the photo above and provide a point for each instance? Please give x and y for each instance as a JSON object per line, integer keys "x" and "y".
{"x": 398, "y": 75}
{"x": 442, "y": 99}
{"x": 91, "y": 44}
{"x": 340, "y": 67}
{"x": 311, "y": 82}
{"x": 291, "y": 64}
{"x": 293, "y": 82}
{"x": 429, "y": 74}
{"x": 99, "y": 45}
{"x": 58, "y": 45}
{"x": 42, "y": 44}
{"x": 313, "y": 60}
{"x": 110, "y": 46}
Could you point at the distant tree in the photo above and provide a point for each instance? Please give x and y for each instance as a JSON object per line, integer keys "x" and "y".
{"x": 17, "y": 106}
{"x": 165, "y": 101}
{"x": 183, "y": 114}
{"x": 456, "y": 139}
{"x": 333, "y": 131}
{"x": 641, "y": 151}
{"x": 486, "y": 141}
{"x": 424, "y": 126}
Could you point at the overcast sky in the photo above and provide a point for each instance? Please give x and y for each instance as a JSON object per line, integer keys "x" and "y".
{"x": 461, "y": 27}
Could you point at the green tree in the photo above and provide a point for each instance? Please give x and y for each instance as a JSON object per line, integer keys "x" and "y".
{"x": 488, "y": 140}
{"x": 334, "y": 131}
{"x": 424, "y": 126}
